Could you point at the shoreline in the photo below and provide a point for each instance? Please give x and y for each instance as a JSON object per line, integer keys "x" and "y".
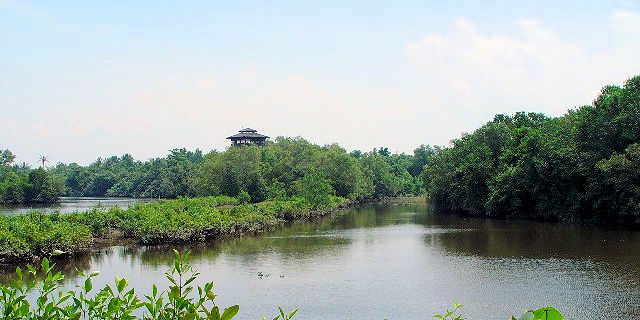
{"x": 127, "y": 226}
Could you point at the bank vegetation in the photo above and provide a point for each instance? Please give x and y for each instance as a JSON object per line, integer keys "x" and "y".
{"x": 37, "y": 234}
{"x": 582, "y": 166}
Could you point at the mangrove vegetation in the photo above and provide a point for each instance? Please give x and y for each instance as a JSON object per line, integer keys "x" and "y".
{"x": 264, "y": 173}
{"x": 21, "y": 184}
{"x": 582, "y": 166}
{"x": 38, "y": 234}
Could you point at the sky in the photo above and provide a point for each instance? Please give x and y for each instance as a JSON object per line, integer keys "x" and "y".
{"x": 86, "y": 79}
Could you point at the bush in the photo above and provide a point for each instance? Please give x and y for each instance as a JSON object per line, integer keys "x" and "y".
{"x": 37, "y": 234}
{"x": 244, "y": 197}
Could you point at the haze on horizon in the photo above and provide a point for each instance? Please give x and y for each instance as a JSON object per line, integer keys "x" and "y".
{"x": 81, "y": 80}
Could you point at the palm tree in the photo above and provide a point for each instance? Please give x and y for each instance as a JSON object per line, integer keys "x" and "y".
{"x": 43, "y": 159}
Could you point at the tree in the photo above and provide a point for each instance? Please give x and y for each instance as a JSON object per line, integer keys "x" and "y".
{"x": 43, "y": 186}
{"x": 581, "y": 166}
{"x": 6, "y": 158}
{"x": 314, "y": 189}
{"x": 384, "y": 182}
{"x": 420, "y": 158}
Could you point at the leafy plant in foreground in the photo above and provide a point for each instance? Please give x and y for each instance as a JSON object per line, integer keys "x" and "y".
{"x": 110, "y": 302}
{"x": 449, "y": 315}
{"x": 116, "y": 301}
{"x": 283, "y": 315}
{"x": 547, "y": 313}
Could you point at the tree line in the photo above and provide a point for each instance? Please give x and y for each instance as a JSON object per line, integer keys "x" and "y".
{"x": 283, "y": 168}
{"x": 582, "y": 166}
{"x": 21, "y": 184}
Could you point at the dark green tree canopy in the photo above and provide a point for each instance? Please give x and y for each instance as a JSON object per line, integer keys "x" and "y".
{"x": 581, "y": 166}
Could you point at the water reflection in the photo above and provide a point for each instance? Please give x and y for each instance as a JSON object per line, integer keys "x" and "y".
{"x": 490, "y": 238}
{"x": 401, "y": 261}
{"x": 71, "y": 204}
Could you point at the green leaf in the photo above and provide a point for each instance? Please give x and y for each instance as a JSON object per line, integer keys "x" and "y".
{"x": 121, "y": 284}
{"x": 189, "y": 281}
{"x": 547, "y": 313}
{"x": 293, "y": 312}
{"x": 189, "y": 316}
{"x": 230, "y": 312}
{"x": 87, "y": 285}
{"x": 175, "y": 291}
{"x": 176, "y": 266}
{"x": 527, "y": 316}
{"x": 45, "y": 264}
{"x": 215, "y": 312}
{"x": 31, "y": 269}
{"x": 176, "y": 255}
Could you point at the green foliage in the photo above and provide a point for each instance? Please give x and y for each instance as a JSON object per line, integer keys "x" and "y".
{"x": 450, "y": 314}
{"x": 231, "y": 172}
{"x": 244, "y": 197}
{"x": 168, "y": 177}
{"x": 43, "y": 186}
{"x": 581, "y": 166}
{"x": 421, "y": 156}
{"x": 20, "y": 184}
{"x": 379, "y": 169}
{"x": 618, "y": 185}
{"x": 13, "y": 187}
{"x": 276, "y": 190}
{"x": 269, "y": 172}
{"x": 38, "y": 234}
{"x": 547, "y": 313}
{"x": 283, "y": 315}
{"x": 314, "y": 189}
{"x": 37, "y": 295}
{"x": 181, "y": 300}
{"x": 6, "y": 157}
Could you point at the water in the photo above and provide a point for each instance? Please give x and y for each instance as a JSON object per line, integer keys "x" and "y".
{"x": 71, "y": 204}
{"x": 402, "y": 262}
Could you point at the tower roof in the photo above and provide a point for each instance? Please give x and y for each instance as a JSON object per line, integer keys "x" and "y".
{"x": 248, "y": 133}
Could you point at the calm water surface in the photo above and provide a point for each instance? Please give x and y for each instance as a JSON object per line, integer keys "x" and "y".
{"x": 72, "y": 204}
{"x": 402, "y": 262}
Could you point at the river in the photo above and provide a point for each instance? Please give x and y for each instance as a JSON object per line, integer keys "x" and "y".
{"x": 71, "y": 204}
{"x": 402, "y": 262}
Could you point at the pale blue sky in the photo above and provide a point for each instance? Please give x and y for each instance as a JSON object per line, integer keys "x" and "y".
{"x": 83, "y": 79}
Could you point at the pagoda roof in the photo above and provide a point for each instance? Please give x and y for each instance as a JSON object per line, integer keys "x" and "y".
{"x": 247, "y": 135}
{"x": 248, "y": 130}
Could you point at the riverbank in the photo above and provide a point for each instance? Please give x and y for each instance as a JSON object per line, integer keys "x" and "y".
{"x": 37, "y": 234}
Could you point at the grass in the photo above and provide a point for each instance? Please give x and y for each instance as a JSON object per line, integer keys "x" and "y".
{"x": 37, "y": 234}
